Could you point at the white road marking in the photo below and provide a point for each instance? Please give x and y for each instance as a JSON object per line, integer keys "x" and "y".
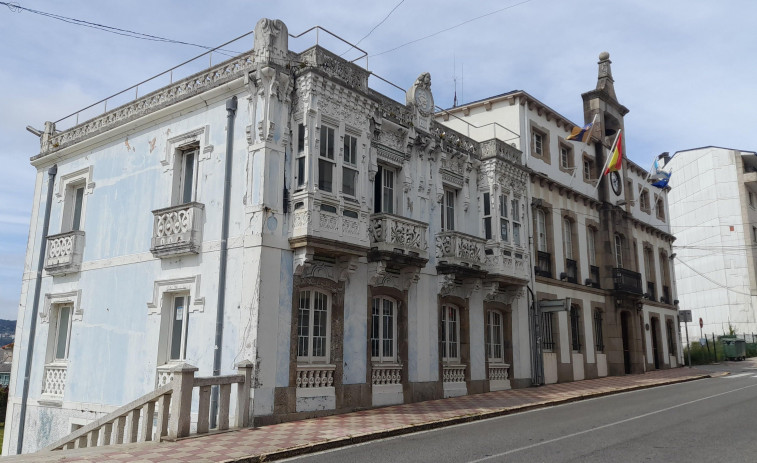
{"x": 568, "y": 436}
{"x": 740, "y": 375}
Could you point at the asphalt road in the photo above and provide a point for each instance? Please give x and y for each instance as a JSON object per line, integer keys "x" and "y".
{"x": 706, "y": 420}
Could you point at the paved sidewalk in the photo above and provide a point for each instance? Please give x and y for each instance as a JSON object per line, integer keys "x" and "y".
{"x": 298, "y": 437}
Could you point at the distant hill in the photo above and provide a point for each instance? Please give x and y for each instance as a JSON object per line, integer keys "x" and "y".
{"x": 7, "y": 331}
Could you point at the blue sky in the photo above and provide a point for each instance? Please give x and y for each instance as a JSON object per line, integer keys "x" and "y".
{"x": 685, "y": 68}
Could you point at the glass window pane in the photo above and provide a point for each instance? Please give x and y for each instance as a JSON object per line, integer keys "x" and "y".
{"x": 323, "y": 141}
{"x": 330, "y": 139}
{"x": 300, "y": 171}
{"x": 388, "y": 192}
{"x": 503, "y": 226}
{"x": 375, "y": 327}
{"x": 320, "y": 313}
{"x": 64, "y": 314}
{"x": 78, "y": 200}
{"x": 487, "y": 204}
{"x": 177, "y": 320}
{"x": 188, "y": 177}
{"x": 303, "y": 324}
{"x": 516, "y": 234}
{"x": 349, "y": 180}
{"x": 503, "y": 205}
{"x": 300, "y": 138}
{"x": 325, "y": 175}
{"x": 388, "y": 329}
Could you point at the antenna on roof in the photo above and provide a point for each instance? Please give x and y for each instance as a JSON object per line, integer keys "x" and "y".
{"x": 454, "y": 79}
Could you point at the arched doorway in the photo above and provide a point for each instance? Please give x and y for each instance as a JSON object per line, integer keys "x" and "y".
{"x": 625, "y": 326}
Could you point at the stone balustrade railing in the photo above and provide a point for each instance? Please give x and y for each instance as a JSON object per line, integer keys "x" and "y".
{"x": 309, "y": 376}
{"x": 177, "y": 230}
{"x": 453, "y": 373}
{"x": 54, "y": 383}
{"x": 455, "y": 248}
{"x": 386, "y": 374}
{"x": 64, "y": 252}
{"x": 172, "y": 403}
{"x": 498, "y": 371}
{"x": 501, "y": 260}
{"x": 392, "y": 233}
{"x": 316, "y": 219}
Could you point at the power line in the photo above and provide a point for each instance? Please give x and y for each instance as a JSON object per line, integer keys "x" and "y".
{"x": 449, "y": 28}
{"x": 374, "y": 27}
{"x": 713, "y": 281}
{"x": 16, "y": 8}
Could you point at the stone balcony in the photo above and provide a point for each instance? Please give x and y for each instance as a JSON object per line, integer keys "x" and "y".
{"x": 627, "y": 281}
{"x": 177, "y": 230}
{"x": 398, "y": 237}
{"x": 64, "y": 252}
{"x": 460, "y": 250}
{"x": 328, "y": 224}
{"x": 506, "y": 262}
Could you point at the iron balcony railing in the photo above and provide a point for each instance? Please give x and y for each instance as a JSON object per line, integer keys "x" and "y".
{"x": 544, "y": 264}
{"x": 571, "y": 270}
{"x": 627, "y": 281}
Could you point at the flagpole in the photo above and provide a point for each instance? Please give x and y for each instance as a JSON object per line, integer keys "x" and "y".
{"x": 607, "y": 162}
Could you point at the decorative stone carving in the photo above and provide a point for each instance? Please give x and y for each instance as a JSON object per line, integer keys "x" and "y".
{"x": 402, "y": 280}
{"x": 271, "y": 44}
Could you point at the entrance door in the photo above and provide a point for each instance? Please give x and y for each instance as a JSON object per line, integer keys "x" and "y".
{"x": 625, "y": 327}
{"x": 655, "y": 351}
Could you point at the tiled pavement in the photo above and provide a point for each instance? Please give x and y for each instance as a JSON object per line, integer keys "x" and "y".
{"x": 287, "y": 439}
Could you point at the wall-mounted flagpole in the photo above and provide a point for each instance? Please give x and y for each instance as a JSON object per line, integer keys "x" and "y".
{"x": 607, "y": 162}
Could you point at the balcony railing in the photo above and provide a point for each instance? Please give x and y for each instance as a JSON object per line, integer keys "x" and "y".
{"x": 386, "y": 374}
{"x": 326, "y": 221}
{"x": 309, "y": 376}
{"x": 453, "y": 373}
{"x": 177, "y": 230}
{"x": 594, "y": 275}
{"x": 650, "y": 291}
{"x": 54, "y": 383}
{"x": 455, "y": 248}
{"x": 502, "y": 261}
{"x": 64, "y": 252}
{"x": 626, "y": 280}
{"x": 666, "y": 295}
{"x": 392, "y": 233}
{"x": 571, "y": 270}
{"x": 543, "y": 264}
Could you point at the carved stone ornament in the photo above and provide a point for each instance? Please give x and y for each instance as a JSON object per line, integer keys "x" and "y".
{"x": 449, "y": 287}
{"x": 307, "y": 268}
{"x": 378, "y": 276}
{"x": 271, "y": 41}
{"x": 492, "y": 293}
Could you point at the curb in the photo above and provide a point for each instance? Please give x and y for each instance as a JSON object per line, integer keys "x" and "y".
{"x": 413, "y": 428}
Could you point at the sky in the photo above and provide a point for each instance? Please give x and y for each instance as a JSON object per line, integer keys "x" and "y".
{"x": 684, "y": 68}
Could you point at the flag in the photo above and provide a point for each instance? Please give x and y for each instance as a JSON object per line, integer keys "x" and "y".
{"x": 657, "y": 176}
{"x": 616, "y": 159}
{"x": 662, "y": 182}
{"x": 582, "y": 134}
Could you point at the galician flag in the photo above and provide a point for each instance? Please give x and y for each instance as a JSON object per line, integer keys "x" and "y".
{"x": 616, "y": 159}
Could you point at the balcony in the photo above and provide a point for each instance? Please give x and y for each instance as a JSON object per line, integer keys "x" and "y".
{"x": 651, "y": 295}
{"x": 54, "y": 383}
{"x": 543, "y": 264}
{"x": 627, "y": 281}
{"x": 501, "y": 261}
{"x": 398, "y": 236}
{"x": 329, "y": 224}
{"x": 666, "y": 295}
{"x": 177, "y": 230}
{"x": 594, "y": 276}
{"x": 460, "y": 250}
{"x": 571, "y": 271}
{"x": 64, "y": 252}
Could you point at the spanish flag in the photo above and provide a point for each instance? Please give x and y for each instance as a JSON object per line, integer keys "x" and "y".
{"x": 616, "y": 160}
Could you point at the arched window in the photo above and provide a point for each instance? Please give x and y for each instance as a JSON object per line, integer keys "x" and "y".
{"x": 450, "y": 336}
{"x": 313, "y": 327}
{"x": 575, "y": 328}
{"x": 494, "y": 336}
{"x": 384, "y": 330}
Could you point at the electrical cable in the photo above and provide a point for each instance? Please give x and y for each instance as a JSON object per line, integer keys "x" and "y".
{"x": 374, "y": 27}
{"x": 711, "y": 280}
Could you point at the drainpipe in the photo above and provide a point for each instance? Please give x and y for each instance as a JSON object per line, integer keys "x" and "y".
{"x": 35, "y": 307}
{"x": 231, "y": 112}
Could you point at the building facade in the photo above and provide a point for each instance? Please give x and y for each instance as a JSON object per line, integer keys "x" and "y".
{"x": 372, "y": 252}
{"x": 712, "y": 207}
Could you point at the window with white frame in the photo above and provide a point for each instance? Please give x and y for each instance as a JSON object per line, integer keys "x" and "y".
{"x": 448, "y": 209}
{"x": 349, "y": 166}
{"x": 300, "y": 159}
{"x": 591, "y": 238}
{"x": 326, "y": 160}
{"x": 538, "y": 143}
{"x": 72, "y": 207}
{"x": 384, "y": 197}
{"x": 588, "y": 169}
{"x": 487, "y": 216}
{"x": 313, "y": 318}
{"x": 567, "y": 233}
{"x": 494, "y": 339}
{"x": 384, "y": 330}
{"x": 566, "y": 157}
{"x": 541, "y": 231}
{"x": 618, "y": 250}
{"x": 59, "y": 335}
{"x": 450, "y": 340}
{"x": 504, "y": 223}
{"x": 175, "y": 327}
{"x": 185, "y": 179}
{"x": 661, "y": 209}
{"x": 644, "y": 200}
{"x": 515, "y": 209}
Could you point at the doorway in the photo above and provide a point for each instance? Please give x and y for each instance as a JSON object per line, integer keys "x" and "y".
{"x": 625, "y": 326}
{"x": 655, "y": 342}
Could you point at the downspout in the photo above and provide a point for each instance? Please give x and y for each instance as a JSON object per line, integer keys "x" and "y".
{"x": 231, "y": 112}
{"x": 35, "y": 307}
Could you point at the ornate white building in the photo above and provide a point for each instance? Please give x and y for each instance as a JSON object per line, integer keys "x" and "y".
{"x": 360, "y": 251}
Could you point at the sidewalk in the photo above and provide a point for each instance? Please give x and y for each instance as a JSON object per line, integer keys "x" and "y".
{"x": 298, "y": 437}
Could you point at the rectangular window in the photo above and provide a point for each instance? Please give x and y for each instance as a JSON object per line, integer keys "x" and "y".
{"x": 618, "y": 251}
{"x": 301, "y": 171}
{"x": 300, "y": 138}
{"x": 567, "y": 230}
{"x": 325, "y": 175}
{"x": 751, "y": 199}
{"x": 448, "y": 210}
{"x": 504, "y": 224}
{"x": 566, "y": 157}
{"x": 547, "y": 336}
{"x": 494, "y": 336}
{"x": 598, "y": 334}
{"x": 300, "y": 155}
{"x": 591, "y": 236}
{"x": 62, "y": 332}
{"x": 538, "y": 140}
{"x": 187, "y": 176}
{"x": 326, "y": 161}
{"x": 312, "y": 326}
{"x": 327, "y": 142}
{"x": 383, "y": 195}
{"x": 450, "y": 333}
{"x": 178, "y": 328}
{"x": 541, "y": 230}
{"x": 78, "y": 200}
{"x": 349, "y": 166}
{"x": 587, "y": 169}
{"x": 515, "y": 209}
{"x": 487, "y": 216}
{"x": 575, "y": 329}
{"x": 383, "y": 329}
{"x": 661, "y": 210}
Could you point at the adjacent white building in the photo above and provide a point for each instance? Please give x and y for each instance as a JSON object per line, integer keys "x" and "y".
{"x": 712, "y": 208}
{"x": 376, "y": 252}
